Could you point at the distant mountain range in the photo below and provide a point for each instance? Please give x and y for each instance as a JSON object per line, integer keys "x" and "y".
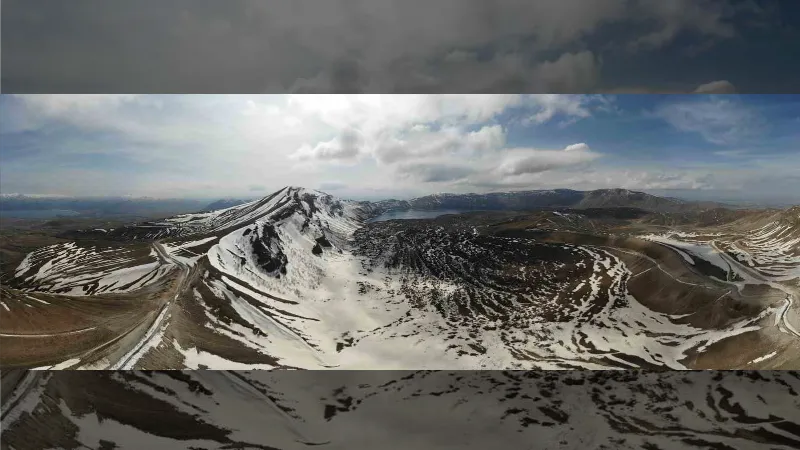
{"x": 565, "y": 198}
{"x": 496, "y": 201}
{"x": 225, "y": 203}
{"x": 101, "y": 206}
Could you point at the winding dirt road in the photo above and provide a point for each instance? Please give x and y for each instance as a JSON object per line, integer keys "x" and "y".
{"x": 152, "y": 335}
{"x": 791, "y": 294}
{"x": 60, "y": 333}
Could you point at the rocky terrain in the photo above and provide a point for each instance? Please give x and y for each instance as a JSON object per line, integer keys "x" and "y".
{"x": 300, "y": 279}
{"x": 400, "y": 409}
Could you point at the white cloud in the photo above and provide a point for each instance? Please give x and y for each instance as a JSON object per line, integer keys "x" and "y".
{"x": 582, "y": 177}
{"x": 230, "y": 143}
{"x": 580, "y": 147}
{"x": 225, "y": 145}
{"x": 372, "y": 113}
{"x": 718, "y": 120}
{"x": 435, "y": 172}
{"x": 345, "y": 147}
{"x": 528, "y": 161}
{"x": 506, "y": 167}
{"x": 86, "y": 111}
{"x": 572, "y": 107}
{"x": 69, "y": 104}
{"x": 716, "y": 87}
{"x": 450, "y": 141}
{"x": 400, "y": 128}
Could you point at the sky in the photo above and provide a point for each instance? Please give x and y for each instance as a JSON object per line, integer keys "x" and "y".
{"x": 369, "y": 146}
{"x": 400, "y": 46}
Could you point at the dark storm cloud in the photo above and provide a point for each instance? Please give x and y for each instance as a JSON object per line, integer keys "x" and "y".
{"x": 257, "y": 46}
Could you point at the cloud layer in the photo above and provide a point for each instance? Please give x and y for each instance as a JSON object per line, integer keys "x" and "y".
{"x": 394, "y": 145}
{"x": 719, "y": 120}
{"x": 408, "y": 46}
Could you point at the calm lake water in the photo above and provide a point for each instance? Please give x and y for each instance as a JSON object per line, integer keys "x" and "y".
{"x": 415, "y": 214}
{"x": 38, "y": 213}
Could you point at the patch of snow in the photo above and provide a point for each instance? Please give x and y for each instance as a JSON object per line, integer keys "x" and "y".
{"x": 197, "y": 359}
{"x": 763, "y": 358}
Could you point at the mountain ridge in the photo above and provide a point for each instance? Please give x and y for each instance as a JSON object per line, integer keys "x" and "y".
{"x": 495, "y": 201}
{"x": 302, "y": 279}
{"x": 532, "y": 199}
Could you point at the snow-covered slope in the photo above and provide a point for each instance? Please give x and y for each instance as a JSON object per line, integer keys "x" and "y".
{"x": 305, "y": 286}
{"x": 298, "y": 279}
{"x": 276, "y": 205}
{"x": 73, "y": 269}
{"x": 772, "y": 248}
{"x": 768, "y": 244}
